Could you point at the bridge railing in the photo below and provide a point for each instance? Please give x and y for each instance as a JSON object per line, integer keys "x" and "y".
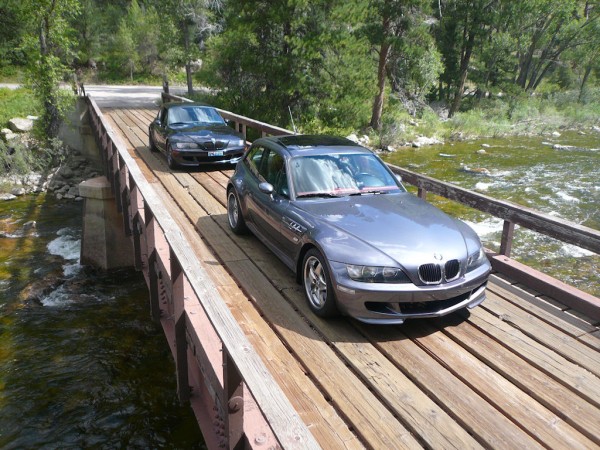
{"x": 232, "y": 392}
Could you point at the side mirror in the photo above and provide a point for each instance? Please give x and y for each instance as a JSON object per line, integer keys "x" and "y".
{"x": 157, "y": 122}
{"x": 266, "y": 188}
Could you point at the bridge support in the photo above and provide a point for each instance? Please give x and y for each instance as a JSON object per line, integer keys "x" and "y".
{"x": 104, "y": 243}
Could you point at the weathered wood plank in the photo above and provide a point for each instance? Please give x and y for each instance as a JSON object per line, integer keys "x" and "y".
{"x": 565, "y": 345}
{"x": 543, "y": 424}
{"x": 482, "y": 420}
{"x": 579, "y": 379}
{"x": 560, "y": 399}
{"x": 533, "y": 305}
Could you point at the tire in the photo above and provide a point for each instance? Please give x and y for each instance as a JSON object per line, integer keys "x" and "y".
{"x": 234, "y": 213}
{"x": 317, "y": 285}
{"x": 152, "y": 145}
{"x": 170, "y": 161}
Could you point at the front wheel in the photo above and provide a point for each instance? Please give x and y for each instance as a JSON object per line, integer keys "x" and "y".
{"x": 234, "y": 213}
{"x": 170, "y": 161}
{"x": 317, "y": 284}
{"x": 153, "y": 147}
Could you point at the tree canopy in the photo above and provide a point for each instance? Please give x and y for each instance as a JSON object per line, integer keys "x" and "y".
{"x": 332, "y": 64}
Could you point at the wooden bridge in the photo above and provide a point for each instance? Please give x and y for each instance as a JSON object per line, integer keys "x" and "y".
{"x": 260, "y": 371}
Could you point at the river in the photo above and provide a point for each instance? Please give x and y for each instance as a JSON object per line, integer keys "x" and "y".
{"x": 557, "y": 175}
{"x": 82, "y": 365}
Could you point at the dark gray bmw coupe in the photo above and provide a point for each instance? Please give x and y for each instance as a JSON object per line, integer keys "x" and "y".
{"x": 359, "y": 243}
{"x": 191, "y": 134}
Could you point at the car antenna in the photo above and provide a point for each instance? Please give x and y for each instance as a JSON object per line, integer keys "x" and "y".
{"x": 292, "y": 117}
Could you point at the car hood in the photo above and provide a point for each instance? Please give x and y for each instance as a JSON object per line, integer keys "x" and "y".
{"x": 358, "y": 229}
{"x": 196, "y": 133}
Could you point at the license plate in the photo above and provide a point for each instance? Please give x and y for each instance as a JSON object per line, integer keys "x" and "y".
{"x": 219, "y": 153}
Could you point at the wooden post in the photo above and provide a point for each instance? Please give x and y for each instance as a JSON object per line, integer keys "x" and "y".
{"x": 508, "y": 230}
{"x": 422, "y": 193}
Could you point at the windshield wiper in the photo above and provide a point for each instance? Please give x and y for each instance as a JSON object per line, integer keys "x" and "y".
{"x": 371, "y": 191}
{"x": 317, "y": 194}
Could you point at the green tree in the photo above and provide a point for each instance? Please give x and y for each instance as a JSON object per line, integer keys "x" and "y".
{"x": 135, "y": 45}
{"x": 194, "y": 22}
{"x": 464, "y": 25}
{"x": 395, "y": 30}
{"x": 48, "y": 47}
{"x": 545, "y": 30}
{"x": 273, "y": 56}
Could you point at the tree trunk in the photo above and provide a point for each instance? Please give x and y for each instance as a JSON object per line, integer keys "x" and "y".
{"x": 588, "y": 70}
{"x": 464, "y": 69}
{"x": 384, "y": 52}
{"x": 381, "y": 75}
{"x": 188, "y": 65}
{"x": 188, "y": 74}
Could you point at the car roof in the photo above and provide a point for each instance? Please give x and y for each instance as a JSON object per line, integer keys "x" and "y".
{"x": 297, "y": 144}
{"x": 197, "y": 104}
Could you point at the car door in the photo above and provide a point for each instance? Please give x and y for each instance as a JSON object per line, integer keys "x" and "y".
{"x": 267, "y": 210}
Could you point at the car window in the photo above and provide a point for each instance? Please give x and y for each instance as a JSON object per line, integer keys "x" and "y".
{"x": 340, "y": 174}
{"x": 206, "y": 115}
{"x": 194, "y": 114}
{"x": 273, "y": 171}
{"x": 254, "y": 159}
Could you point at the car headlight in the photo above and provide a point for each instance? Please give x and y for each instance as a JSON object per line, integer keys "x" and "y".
{"x": 185, "y": 145}
{"x": 238, "y": 143}
{"x": 375, "y": 274}
{"x": 476, "y": 259}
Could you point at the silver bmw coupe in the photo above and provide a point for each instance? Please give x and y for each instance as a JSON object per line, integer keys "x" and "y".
{"x": 358, "y": 242}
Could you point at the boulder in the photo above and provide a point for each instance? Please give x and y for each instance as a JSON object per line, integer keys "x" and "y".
{"x": 7, "y": 197}
{"x": 18, "y": 191}
{"x": 8, "y": 135}
{"x": 352, "y": 137}
{"x": 20, "y": 125}
{"x": 424, "y": 140}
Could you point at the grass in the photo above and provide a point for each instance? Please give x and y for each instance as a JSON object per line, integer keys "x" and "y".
{"x": 17, "y": 103}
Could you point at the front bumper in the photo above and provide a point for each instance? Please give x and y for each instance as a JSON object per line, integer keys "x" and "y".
{"x": 186, "y": 157}
{"x": 383, "y": 303}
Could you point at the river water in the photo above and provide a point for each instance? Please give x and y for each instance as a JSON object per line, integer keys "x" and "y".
{"x": 82, "y": 365}
{"x": 558, "y": 175}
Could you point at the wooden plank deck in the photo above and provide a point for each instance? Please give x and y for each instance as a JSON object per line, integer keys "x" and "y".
{"x": 520, "y": 371}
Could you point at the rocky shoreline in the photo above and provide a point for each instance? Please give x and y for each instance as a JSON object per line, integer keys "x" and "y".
{"x": 63, "y": 181}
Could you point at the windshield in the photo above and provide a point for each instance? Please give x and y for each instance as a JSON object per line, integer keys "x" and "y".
{"x": 341, "y": 174}
{"x": 194, "y": 114}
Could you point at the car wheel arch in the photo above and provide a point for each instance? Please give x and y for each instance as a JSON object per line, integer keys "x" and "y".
{"x": 300, "y": 260}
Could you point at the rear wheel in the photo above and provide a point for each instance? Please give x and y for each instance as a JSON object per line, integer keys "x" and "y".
{"x": 234, "y": 213}
{"x": 317, "y": 284}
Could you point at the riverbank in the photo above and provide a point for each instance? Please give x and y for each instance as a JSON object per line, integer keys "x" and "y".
{"x": 498, "y": 117}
